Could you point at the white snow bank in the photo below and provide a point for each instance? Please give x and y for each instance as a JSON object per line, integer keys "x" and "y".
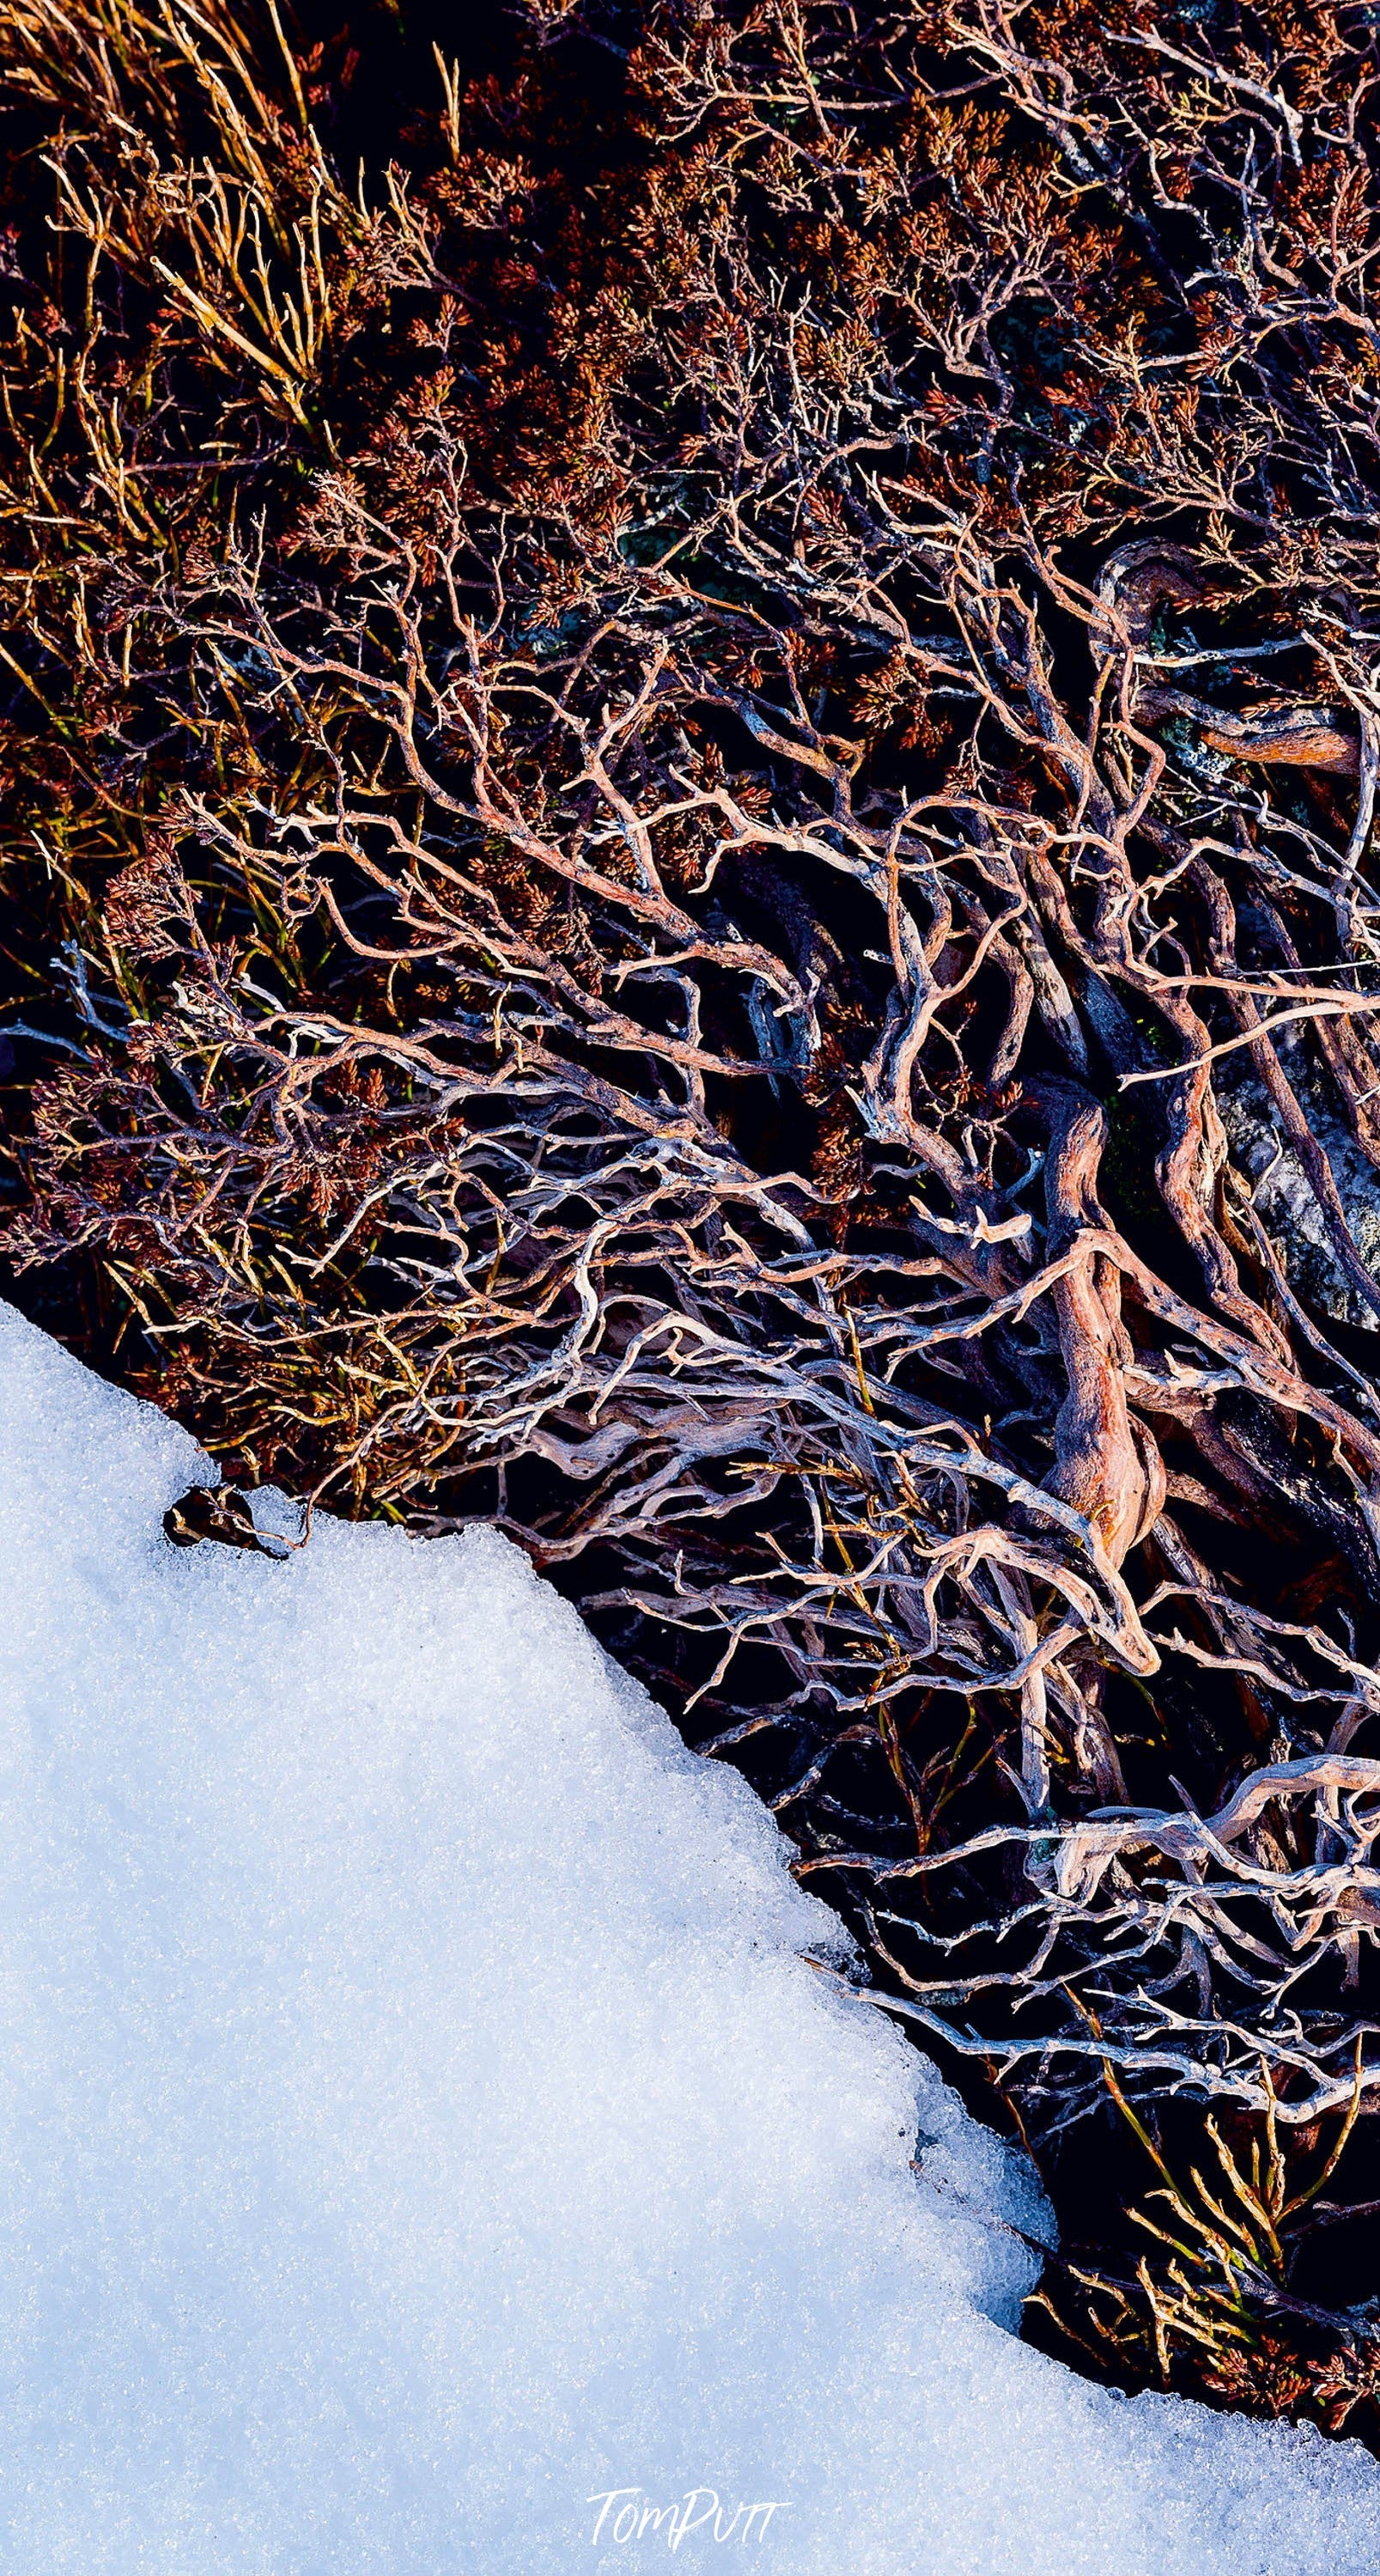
{"x": 415, "y": 2119}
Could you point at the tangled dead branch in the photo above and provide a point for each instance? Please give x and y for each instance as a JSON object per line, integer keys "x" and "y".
{"x": 691, "y": 790}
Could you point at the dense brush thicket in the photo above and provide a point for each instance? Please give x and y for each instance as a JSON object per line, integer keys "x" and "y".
{"x": 690, "y": 741}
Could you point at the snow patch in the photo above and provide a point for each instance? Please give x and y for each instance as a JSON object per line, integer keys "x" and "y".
{"x": 417, "y": 2119}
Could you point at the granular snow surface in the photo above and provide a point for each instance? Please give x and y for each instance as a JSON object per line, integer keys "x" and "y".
{"x": 423, "y": 2146}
